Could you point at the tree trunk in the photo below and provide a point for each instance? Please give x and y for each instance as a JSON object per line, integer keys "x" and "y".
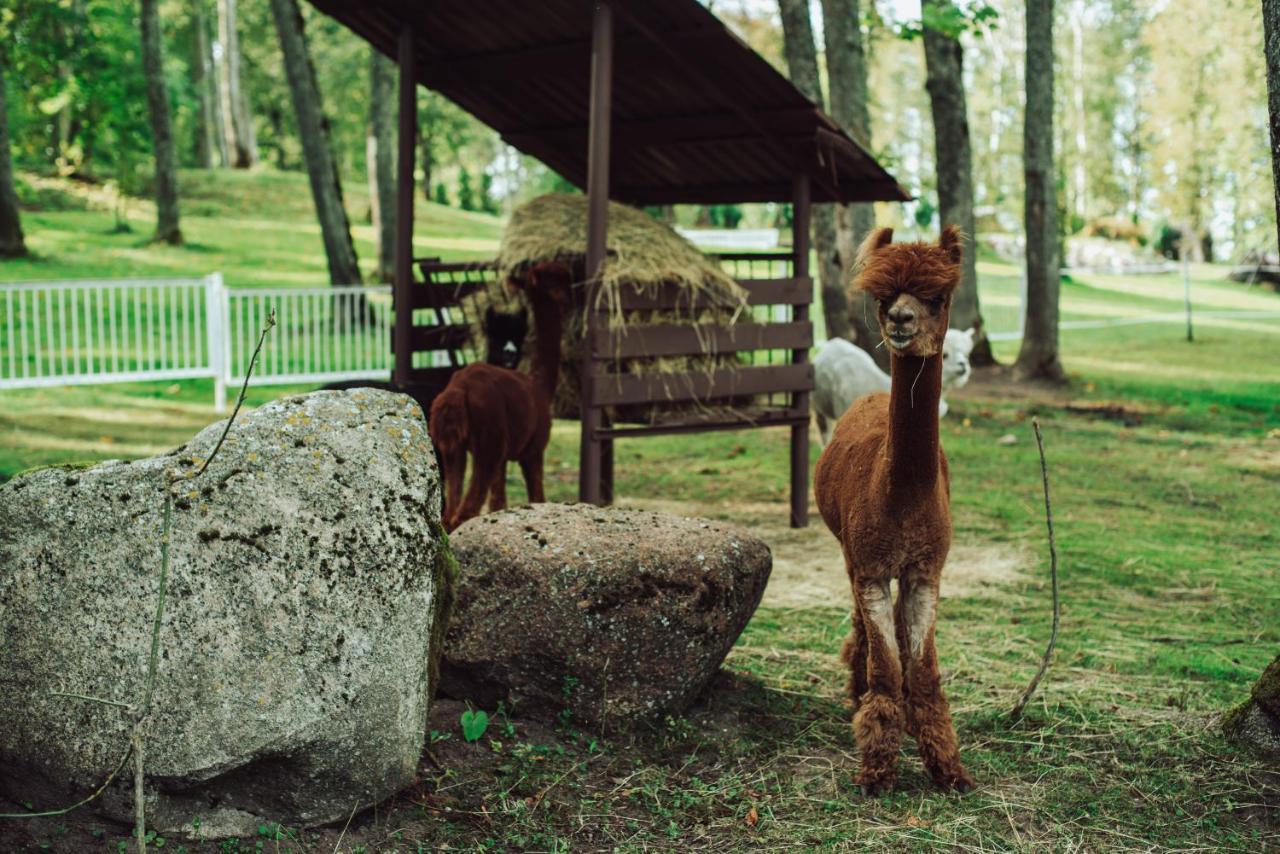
{"x": 1271, "y": 37}
{"x": 242, "y": 145}
{"x": 802, "y": 62}
{"x": 380, "y": 155}
{"x": 12, "y": 244}
{"x": 201, "y": 64}
{"x": 944, "y": 60}
{"x": 313, "y": 127}
{"x": 847, "y": 79}
{"x": 1038, "y": 356}
{"x": 166, "y": 180}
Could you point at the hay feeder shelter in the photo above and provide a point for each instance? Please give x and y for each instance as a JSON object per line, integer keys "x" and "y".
{"x": 697, "y": 117}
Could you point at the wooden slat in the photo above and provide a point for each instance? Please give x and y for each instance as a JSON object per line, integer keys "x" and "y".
{"x": 790, "y": 291}
{"x": 434, "y": 265}
{"x": 431, "y": 376}
{"x": 673, "y": 339}
{"x": 768, "y": 418}
{"x": 442, "y": 295}
{"x": 451, "y": 337}
{"x": 624, "y": 389}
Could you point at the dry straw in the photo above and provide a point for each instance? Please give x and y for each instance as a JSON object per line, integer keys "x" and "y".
{"x": 643, "y": 254}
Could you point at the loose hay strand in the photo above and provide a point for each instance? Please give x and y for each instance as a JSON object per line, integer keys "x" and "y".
{"x": 1016, "y": 713}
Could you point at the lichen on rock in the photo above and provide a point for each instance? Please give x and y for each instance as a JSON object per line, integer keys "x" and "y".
{"x": 618, "y": 616}
{"x": 307, "y": 582}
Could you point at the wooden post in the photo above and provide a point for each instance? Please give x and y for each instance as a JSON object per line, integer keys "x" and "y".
{"x": 403, "y": 289}
{"x": 800, "y": 213}
{"x": 590, "y": 488}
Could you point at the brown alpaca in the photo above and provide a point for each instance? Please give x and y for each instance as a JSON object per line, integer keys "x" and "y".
{"x": 499, "y": 414}
{"x": 883, "y": 489}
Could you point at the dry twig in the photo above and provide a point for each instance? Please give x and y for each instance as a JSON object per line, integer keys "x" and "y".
{"x": 142, "y": 712}
{"x": 1016, "y": 713}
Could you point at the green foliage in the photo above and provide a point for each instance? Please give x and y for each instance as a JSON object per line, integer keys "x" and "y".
{"x": 474, "y": 723}
{"x": 951, "y": 19}
{"x": 466, "y": 196}
{"x": 925, "y": 212}
{"x": 725, "y": 216}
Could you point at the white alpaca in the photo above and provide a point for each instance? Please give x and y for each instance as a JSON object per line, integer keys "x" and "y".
{"x": 844, "y": 372}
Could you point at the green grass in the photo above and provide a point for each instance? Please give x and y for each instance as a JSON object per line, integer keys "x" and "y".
{"x": 256, "y": 228}
{"x": 1165, "y": 460}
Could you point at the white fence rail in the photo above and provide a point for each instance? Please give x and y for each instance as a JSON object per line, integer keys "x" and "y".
{"x": 87, "y": 332}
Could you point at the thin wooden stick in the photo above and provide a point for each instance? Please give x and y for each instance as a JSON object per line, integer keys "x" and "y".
{"x": 139, "y": 794}
{"x": 1053, "y": 577}
{"x": 135, "y": 740}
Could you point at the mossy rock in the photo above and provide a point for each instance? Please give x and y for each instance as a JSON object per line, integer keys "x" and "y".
{"x": 1255, "y": 723}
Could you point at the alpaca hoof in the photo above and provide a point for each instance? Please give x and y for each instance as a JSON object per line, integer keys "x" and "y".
{"x": 959, "y": 782}
{"x": 875, "y": 787}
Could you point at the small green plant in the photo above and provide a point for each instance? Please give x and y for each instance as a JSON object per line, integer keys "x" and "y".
{"x": 474, "y": 723}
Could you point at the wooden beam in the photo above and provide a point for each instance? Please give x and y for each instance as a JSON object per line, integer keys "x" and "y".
{"x": 674, "y": 339}
{"x": 553, "y": 61}
{"x": 801, "y": 209}
{"x": 789, "y": 291}
{"x": 403, "y": 286}
{"x": 627, "y": 389}
{"x": 670, "y": 129}
{"x": 590, "y": 488}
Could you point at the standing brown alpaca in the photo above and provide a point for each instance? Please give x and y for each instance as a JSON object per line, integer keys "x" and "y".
{"x": 884, "y": 491}
{"x": 499, "y": 414}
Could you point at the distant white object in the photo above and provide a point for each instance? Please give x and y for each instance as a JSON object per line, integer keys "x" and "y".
{"x": 844, "y": 372}
{"x": 731, "y": 238}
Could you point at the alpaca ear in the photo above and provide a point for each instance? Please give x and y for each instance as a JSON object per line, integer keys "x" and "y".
{"x": 953, "y": 242}
{"x": 878, "y": 239}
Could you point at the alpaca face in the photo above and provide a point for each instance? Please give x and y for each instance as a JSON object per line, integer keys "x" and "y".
{"x": 912, "y": 285}
{"x": 956, "y": 347}
{"x": 504, "y": 333}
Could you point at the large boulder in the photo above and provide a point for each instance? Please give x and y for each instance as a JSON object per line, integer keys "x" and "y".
{"x": 1255, "y": 723}
{"x": 619, "y": 616}
{"x": 307, "y": 577}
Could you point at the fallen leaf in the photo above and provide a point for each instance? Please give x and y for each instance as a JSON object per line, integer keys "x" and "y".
{"x": 753, "y": 817}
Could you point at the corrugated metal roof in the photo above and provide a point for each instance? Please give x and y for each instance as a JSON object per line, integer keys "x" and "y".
{"x": 698, "y": 117}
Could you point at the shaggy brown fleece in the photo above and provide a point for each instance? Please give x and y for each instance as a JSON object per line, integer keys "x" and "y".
{"x": 883, "y": 488}
{"x": 500, "y": 415}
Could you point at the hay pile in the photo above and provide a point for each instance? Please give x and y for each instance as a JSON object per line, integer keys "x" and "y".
{"x": 642, "y": 253}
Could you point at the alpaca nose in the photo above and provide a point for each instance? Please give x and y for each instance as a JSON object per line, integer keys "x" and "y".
{"x": 901, "y": 315}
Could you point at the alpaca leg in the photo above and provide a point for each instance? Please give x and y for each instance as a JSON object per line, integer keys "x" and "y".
{"x": 455, "y": 472}
{"x": 498, "y": 492}
{"x": 824, "y": 429}
{"x": 900, "y": 624}
{"x": 531, "y": 467}
{"x": 854, "y": 656}
{"x": 928, "y": 713}
{"x": 486, "y": 466}
{"x": 877, "y": 726}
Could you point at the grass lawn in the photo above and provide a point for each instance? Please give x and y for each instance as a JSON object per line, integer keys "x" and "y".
{"x": 1165, "y": 463}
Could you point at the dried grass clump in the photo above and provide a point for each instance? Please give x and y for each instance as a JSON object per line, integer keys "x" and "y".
{"x": 643, "y": 253}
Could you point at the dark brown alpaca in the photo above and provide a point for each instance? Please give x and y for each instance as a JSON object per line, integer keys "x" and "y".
{"x": 883, "y": 489}
{"x": 499, "y": 414}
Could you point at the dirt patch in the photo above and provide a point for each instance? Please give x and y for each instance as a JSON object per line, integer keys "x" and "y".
{"x": 808, "y": 568}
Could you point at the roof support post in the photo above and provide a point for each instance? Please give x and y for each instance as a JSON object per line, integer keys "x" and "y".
{"x": 590, "y": 470}
{"x": 800, "y": 218}
{"x": 403, "y": 288}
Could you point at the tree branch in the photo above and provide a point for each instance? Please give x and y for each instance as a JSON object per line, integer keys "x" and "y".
{"x": 1016, "y": 713}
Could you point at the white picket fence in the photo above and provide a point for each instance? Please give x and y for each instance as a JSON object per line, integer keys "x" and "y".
{"x": 88, "y": 332}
